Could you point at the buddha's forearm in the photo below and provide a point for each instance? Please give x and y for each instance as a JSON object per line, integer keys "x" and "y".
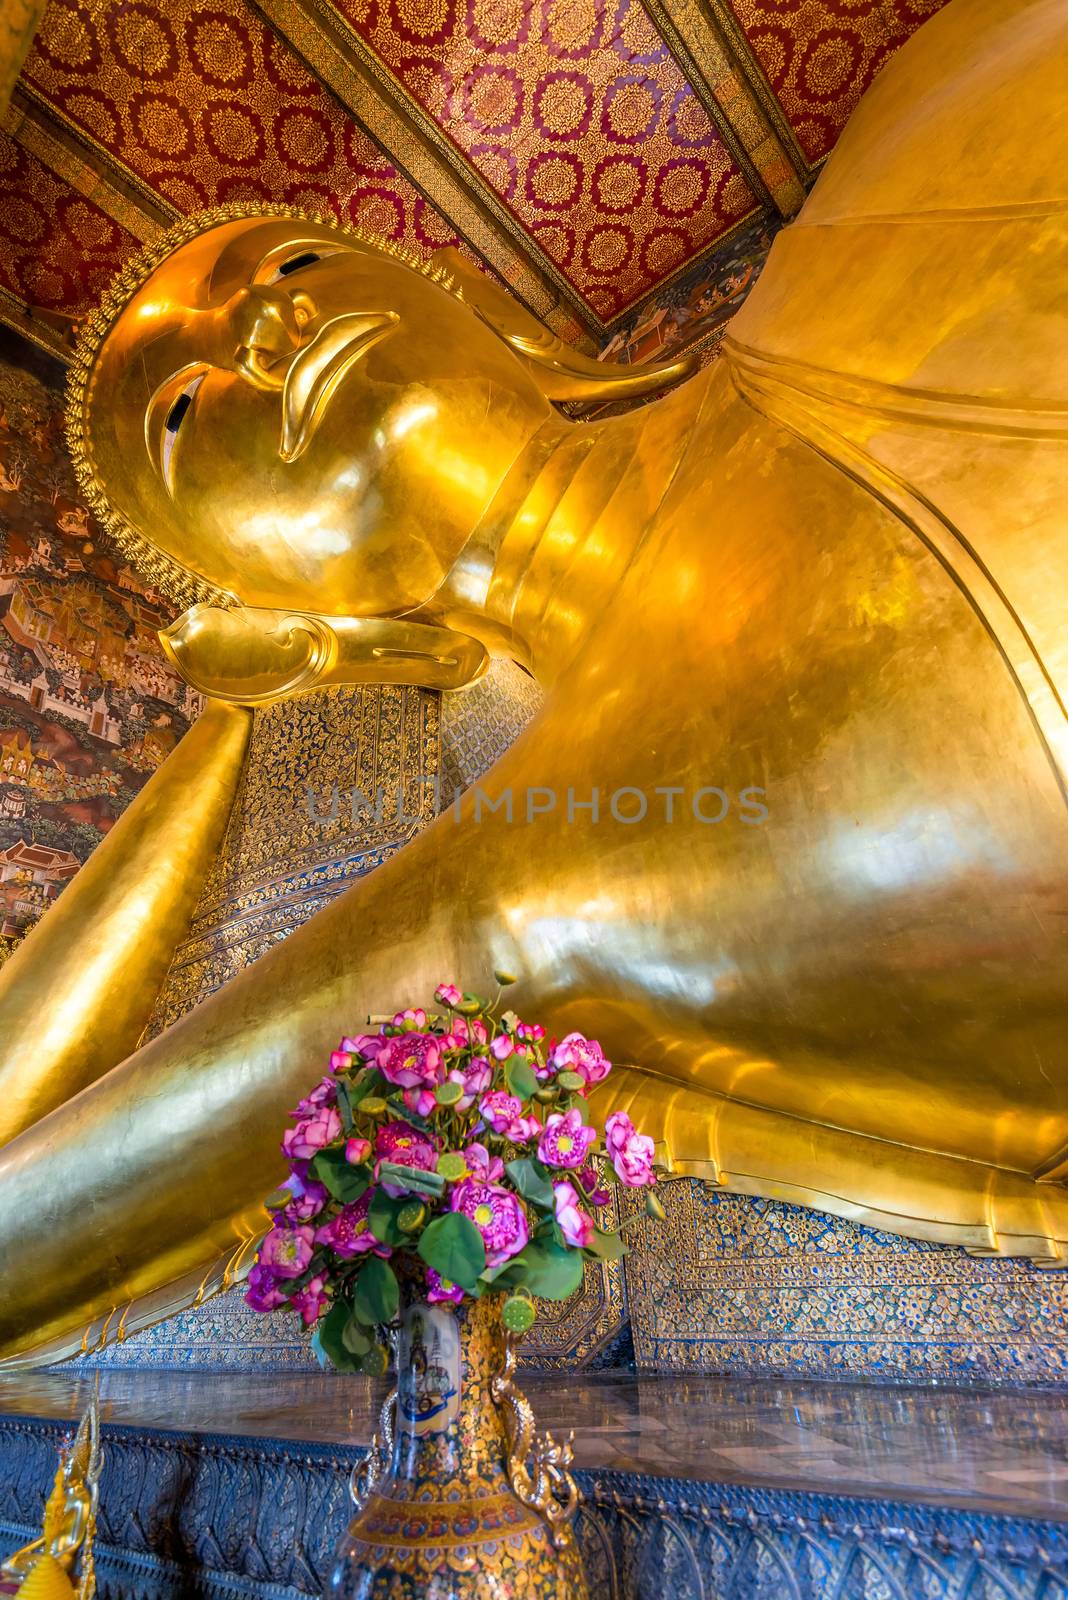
{"x": 75, "y": 997}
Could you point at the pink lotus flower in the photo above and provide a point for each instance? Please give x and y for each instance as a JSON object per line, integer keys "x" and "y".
{"x": 441, "y": 1290}
{"x": 447, "y": 994}
{"x": 263, "y": 1291}
{"x": 533, "y": 1031}
{"x": 412, "y": 1061}
{"x": 366, "y": 1045}
{"x": 309, "y": 1137}
{"x": 576, "y": 1225}
{"x": 631, "y": 1152}
{"x": 463, "y": 1032}
{"x": 342, "y": 1058}
{"x": 576, "y": 1053}
{"x": 413, "y": 1020}
{"x": 349, "y": 1234}
{"x": 474, "y": 1078}
{"x": 483, "y": 1166}
{"x": 308, "y": 1200}
{"x": 420, "y": 1102}
{"x": 357, "y": 1151}
{"x": 311, "y": 1301}
{"x": 405, "y": 1146}
{"x": 565, "y": 1139}
{"x": 286, "y": 1251}
{"x": 503, "y": 1113}
{"x": 324, "y": 1094}
{"x": 502, "y": 1047}
{"x": 497, "y": 1215}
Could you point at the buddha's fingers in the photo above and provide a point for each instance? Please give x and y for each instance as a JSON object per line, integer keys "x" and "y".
{"x": 76, "y": 995}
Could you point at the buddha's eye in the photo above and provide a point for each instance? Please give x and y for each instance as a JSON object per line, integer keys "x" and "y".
{"x": 175, "y": 417}
{"x": 307, "y": 258}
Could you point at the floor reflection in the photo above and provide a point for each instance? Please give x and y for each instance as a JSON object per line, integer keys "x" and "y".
{"x": 996, "y": 1450}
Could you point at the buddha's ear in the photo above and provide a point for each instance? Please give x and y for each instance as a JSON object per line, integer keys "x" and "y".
{"x": 560, "y": 372}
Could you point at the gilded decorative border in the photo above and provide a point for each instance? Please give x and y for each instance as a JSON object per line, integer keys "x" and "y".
{"x": 753, "y": 75}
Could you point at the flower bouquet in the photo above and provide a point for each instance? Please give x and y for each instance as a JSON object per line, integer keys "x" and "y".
{"x": 454, "y": 1146}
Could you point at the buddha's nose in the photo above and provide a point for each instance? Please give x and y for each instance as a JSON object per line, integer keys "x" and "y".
{"x": 262, "y": 326}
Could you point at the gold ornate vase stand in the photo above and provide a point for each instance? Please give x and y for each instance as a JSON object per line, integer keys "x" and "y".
{"x": 460, "y": 1498}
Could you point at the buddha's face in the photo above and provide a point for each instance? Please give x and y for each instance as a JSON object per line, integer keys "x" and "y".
{"x": 303, "y": 420}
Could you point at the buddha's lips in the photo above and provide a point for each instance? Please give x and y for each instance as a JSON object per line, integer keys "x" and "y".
{"x": 318, "y": 368}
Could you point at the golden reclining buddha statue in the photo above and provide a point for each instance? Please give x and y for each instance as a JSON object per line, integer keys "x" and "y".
{"x": 829, "y": 567}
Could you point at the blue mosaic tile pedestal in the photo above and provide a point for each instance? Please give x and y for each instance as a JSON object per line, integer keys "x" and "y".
{"x": 193, "y": 1515}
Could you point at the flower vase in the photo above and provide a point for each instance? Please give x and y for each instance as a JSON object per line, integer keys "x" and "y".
{"x": 460, "y": 1499}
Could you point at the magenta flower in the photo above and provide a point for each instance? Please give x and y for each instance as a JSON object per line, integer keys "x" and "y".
{"x": 357, "y": 1150}
{"x": 483, "y": 1166}
{"x": 412, "y": 1061}
{"x": 342, "y": 1058}
{"x": 309, "y": 1137}
{"x": 497, "y": 1215}
{"x": 405, "y": 1146}
{"x": 502, "y": 1047}
{"x": 308, "y": 1200}
{"x": 349, "y": 1234}
{"x": 530, "y": 1030}
{"x": 576, "y": 1225}
{"x": 447, "y": 994}
{"x": 565, "y": 1139}
{"x": 503, "y": 1113}
{"x": 311, "y": 1301}
{"x": 631, "y": 1152}
{"x": 441, "y": 1290}
{"x": 366, "y": 1045}
{"x": 324, "y": 1094}
{"x": 474, "y": 1078}
{"x": 576, "y": 1053}
{"x": 594, "y": 1194}
{"x": 263, "y": 1291}
{"x": 286, "y": 1251}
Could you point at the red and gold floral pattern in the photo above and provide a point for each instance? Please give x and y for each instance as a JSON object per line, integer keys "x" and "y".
{"x": 208, "y": 106}
{"x": 820, "y": 55}
{"x": 57, "y": 250}
{"x": 575, "y": 113}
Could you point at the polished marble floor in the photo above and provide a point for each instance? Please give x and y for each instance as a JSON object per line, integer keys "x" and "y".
{"x": 996, "y": 1450}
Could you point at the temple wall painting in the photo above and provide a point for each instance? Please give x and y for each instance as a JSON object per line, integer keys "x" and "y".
{"x": 88, "y": 706}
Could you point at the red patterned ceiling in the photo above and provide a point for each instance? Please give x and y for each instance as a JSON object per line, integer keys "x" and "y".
{"x": 578, "y": 117}
{"x": 57, "y": 249}
{"x": 819, "y": 56}
{"x": 207, "y": 106}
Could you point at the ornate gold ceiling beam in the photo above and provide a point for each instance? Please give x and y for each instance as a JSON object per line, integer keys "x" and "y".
{"x": 412, "y": 140}
{"x": 712, "y": 51}
{"x": 31, "y": 322}
{"x": 85, "y": 165}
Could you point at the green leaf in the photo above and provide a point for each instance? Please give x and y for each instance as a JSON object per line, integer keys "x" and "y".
{"x": 376, "y": 1298}
{"x": 369, "y": 1082}
{"x": 355, "y": 1338}
{"x": 550, "y": 1271}
{"x": 328, "y": 1339}
{"x": 609, "y": 1246}
{"x": 412, "y": 1178}
{"x": 344, "y": 1181}
{"x": 520, "y": 1077}
{"x": 531, "y": 1182}
{"x": 453, "y": 1246}
{"x": 344, "y": 1104}
{"x": 382, "y": 1218}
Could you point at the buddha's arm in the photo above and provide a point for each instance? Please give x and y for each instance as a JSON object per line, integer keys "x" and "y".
{"x": 855, "y": 994}
{"x": 77, "y": 994}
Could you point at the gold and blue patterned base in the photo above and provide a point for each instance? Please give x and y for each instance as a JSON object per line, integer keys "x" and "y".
{"x": 733, "y": 1284}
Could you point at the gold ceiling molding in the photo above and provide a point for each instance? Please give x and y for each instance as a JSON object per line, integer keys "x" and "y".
{"x": 731, "y": 86}
{"x": 719, "y": 19}
{"x": 32, "y": 324}
{"x": 412, "y": 140}
{"x": 77, "y": 158}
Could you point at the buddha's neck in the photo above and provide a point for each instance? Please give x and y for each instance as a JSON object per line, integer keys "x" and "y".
{"x": 566, "y": 523}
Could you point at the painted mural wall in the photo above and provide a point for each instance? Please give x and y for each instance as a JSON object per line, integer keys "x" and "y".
{"x": 89, "y": 708}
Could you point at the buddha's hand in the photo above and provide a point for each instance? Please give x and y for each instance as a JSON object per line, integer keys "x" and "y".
{"x": 250, "y": 656}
